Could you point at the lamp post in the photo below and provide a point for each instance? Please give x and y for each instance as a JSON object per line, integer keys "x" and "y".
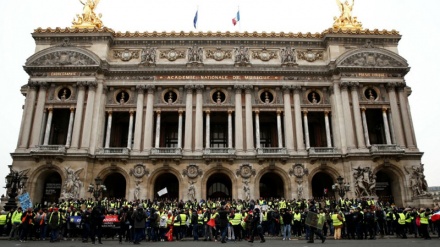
{"x": 97, "y": 189}
{"x": 14, "y": 181}
{"x": 340, "y": 187}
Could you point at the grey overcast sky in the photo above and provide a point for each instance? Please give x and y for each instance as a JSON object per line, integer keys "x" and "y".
{"x": 417, "y": 22}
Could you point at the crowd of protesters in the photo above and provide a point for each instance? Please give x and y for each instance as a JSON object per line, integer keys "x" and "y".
{"x": 217, "y": 220}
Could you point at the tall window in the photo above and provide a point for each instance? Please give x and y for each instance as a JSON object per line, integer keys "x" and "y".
{"x": 219, "y": 136}
{"x": 171, "y": 135}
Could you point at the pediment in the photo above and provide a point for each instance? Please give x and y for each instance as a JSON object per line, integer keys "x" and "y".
{"x": 63, "y": 56}
{"x": 371, "y": 58}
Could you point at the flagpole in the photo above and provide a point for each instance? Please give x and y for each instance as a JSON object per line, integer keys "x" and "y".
{"x": 239, "y": 23}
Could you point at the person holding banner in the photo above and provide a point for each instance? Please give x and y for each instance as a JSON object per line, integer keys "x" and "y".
{"x": 320, "y": 222}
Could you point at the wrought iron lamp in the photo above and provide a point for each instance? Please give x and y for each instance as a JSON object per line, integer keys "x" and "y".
{"x": 97, "y": 189}
{"x": 14, "y": 182}
{"x": 340, "y": 187}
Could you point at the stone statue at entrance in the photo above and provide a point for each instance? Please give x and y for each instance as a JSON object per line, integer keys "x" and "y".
{"x": 247, "y": 190}
{"x": 346, "y": 20}
{"x": 365, "y": 182}
{"x": 137, "y": 192}
{"x": 191, "y": 191}
{"x": 418, "y": 183}
{"x": 88, "y": 19}
{"x": 72, "y": 186}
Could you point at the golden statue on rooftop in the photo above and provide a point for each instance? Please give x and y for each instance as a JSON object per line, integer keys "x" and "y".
{"x": 88, "y": 19}
{"x": 346, "y": 21}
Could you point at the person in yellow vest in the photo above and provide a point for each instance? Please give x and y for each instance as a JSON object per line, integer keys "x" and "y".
{"x": 424, "y": 221}
{"x": 337, "y": 224}
{"x": 297, "y": 226}
{"x": 2, "y": 222}
{"x": 235, "y": 220}
{"x": 54, "y": 223}
{"x": 401, "y": 222}
{"x": 16, "y": 221}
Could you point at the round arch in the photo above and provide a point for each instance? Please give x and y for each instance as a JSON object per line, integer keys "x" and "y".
{"x": 116, "y": 185}
{"x": 50, "y": 53}
{"x": 42, "y": 174}
{"x": 105, "y": 173}
{"x": 389, "y": 184}
{"x": 331, "y": 173}
{"x": 377, "y": 51}
{"x": 287, "y": 187}
{"x": 226, "y": 172}
{"x": 157, "y": 174}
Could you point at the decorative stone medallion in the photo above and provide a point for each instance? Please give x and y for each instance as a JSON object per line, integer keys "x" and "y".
{"x": 245, "y": 171}
{"x": 310, "y": 56}
{"x": 192, "y": 171}
{"x": 172, "y": 54}
{"x": 298, "y": 171}
{"x": 138, "y": 171}
{"x": 218, "y": 54}
{"x": 264, "y": 55}
{"x": 126, "y": 55}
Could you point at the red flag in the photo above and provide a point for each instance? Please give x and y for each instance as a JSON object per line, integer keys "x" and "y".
{"x": 435, "y": 217}
{"x": 211, "y": 223}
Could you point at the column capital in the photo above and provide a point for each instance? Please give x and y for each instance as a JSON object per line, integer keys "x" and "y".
{"x": 42, "y": 84}
{"x": 230, "y": 111}
{"x": 109, "y": 112}
{"x": 279, "y": 111}
{"x": 354, "y": 85}
{"x": 344, "y": 85}
{"x": 257, "y": 111}
{"x": 180, "y": 111}
{"x": 32, "y": 84}
{"x": 326, "y": 112}
{"x": 72, "y": 109}
{"x": 158, "y": 112}
{"x": 363, "y": 108}
{"x": 50, "y": 108}
{"x": 296, "y": 89}
{"x": 140, "y": 88}
{"x": 92, "y": 85}
{"x": 384, "y": 109}
{"x": 131, "y": 112}
{"x": 199, "y": 88}
{"x": 238, "y": 89}
{"x": 305, "y": 111}
{"x": 286, "y": 89}
{"x": 208, "y": 111}
{"x": 391, "y": 86}
{"x": 248, "y": 88}
{"x": 189, "y": 89}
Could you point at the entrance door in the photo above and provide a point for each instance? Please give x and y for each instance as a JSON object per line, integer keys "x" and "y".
{"x": 322, "y": 185}
{"x": 219, "y": 186}
{"x": 271, "y": 186}
{"x": 384, "y": 187}
{"x": 51, "y": 188}
{"x": 169, "y": 181}
{"x": 116, "y": 185}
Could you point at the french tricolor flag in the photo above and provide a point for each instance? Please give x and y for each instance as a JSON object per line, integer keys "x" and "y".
{"x": 435, "y": 217}
{"x": 236, "y": 19}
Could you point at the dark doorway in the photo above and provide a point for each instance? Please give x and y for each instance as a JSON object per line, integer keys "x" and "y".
{"x": 271, "y": 186}
{"x": 116, "y": 185}
{"x": 219, "y": 186}
{"x": 384, "y": 187}
{"x": 376, "y": 129}
{"x": 322, "y": 185}
{"x": 59, "y": 127}
{"x": 51, "y": 188}
{"x": 169, "y": 181}
{"x": 317, "y": 134}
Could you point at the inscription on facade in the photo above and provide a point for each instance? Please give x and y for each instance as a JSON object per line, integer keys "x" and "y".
{"x": 64, "y": 74}
{"x": 217, "y": 78}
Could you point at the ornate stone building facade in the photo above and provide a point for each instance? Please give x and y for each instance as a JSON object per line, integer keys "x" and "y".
{"x": 209, "y": 115}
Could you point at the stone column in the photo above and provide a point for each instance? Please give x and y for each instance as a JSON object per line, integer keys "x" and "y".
{"x": 385, "y": 123}
{"x": 357, "y": 115}
{"x": 199, "y": 120}
{"x": 109, "y": 129}
{"x": 48, "y": 126}
{"x": 392, "y": 132}
{"x": 229, "y": 128}
{"x": 157, "y": 139}
{"x": 85, "y": 141}
{"x": 298, "y": 122}
{"x": 249, "y": 125}
{"x": 257, "y": 129}
{"x": 327, "y": 129}
{"x": 288, "y": 125}
{"x": 149, "y": 119}
{"x": 238, "y": 119}
{"x": 188, "y": 118}
{"x": 306, "y": 129}
{"x": 395, "y": 123}
{"x": 364, "y": 124}
{"x": 406, "y": 118}
{"x": 70, "y": 128}
{"x": 76, "y": 136}
{"x": 38, "y": 119}
{"x": 43, "y": 129}
{"x": 347, "y": 115}
{"x": 180, "y": 130}
{"x": 27, "y": 114}
{"x": 130, "y": 130}
{"x": 280, "y": 131}
{"x": 208, "y": 130}
{"x": 338, "y": 118}
{"x": 139, "y": 118}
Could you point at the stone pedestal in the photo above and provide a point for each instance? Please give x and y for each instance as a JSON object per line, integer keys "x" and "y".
{"x": 422, "y": 202}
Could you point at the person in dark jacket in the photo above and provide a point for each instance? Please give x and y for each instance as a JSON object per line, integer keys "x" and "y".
{"x": 287, "y": 221}
{"x": 256, "y": 227}
{"x": 85, "y": 223}
{"x": 97, "y": 217}
{"x": 54, "y": 225}
{"x": 139, "y": 217}
{"x": 223, "y": 213}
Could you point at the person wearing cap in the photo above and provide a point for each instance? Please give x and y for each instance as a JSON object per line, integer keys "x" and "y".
{"x": 54, "y": 223}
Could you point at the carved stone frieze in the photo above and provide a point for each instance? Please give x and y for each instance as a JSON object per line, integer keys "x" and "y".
{"x": 61, "y": 58}
{"x": 264, "y": 55}
{"x": 245, "y": 171}
{"x": 288, "y": 56}
{"x": 241, "y": 55}
{"x": 195, "y": 55}
{"x": 138, "y": 171}
{"x": 298, "y": 170}
{"x": 192, "y": 171}
{"x": 72, "y": 185}
{"x": 365, "y": 182}
{"x": 172, "y": 54}
{"x": 311, "y": 55}
{"x": 373, "y": 59}
{"x": 218, "y": 54}
{"x": 126, "y": 55}
{"x": 148, "y": 56}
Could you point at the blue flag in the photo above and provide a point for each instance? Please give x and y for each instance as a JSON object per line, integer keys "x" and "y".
{"x": 195, "y": 19}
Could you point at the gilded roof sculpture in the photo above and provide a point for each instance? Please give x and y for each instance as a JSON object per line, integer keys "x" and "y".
{"x": 88, "y": 19}
{"x": 346, "y": 21}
